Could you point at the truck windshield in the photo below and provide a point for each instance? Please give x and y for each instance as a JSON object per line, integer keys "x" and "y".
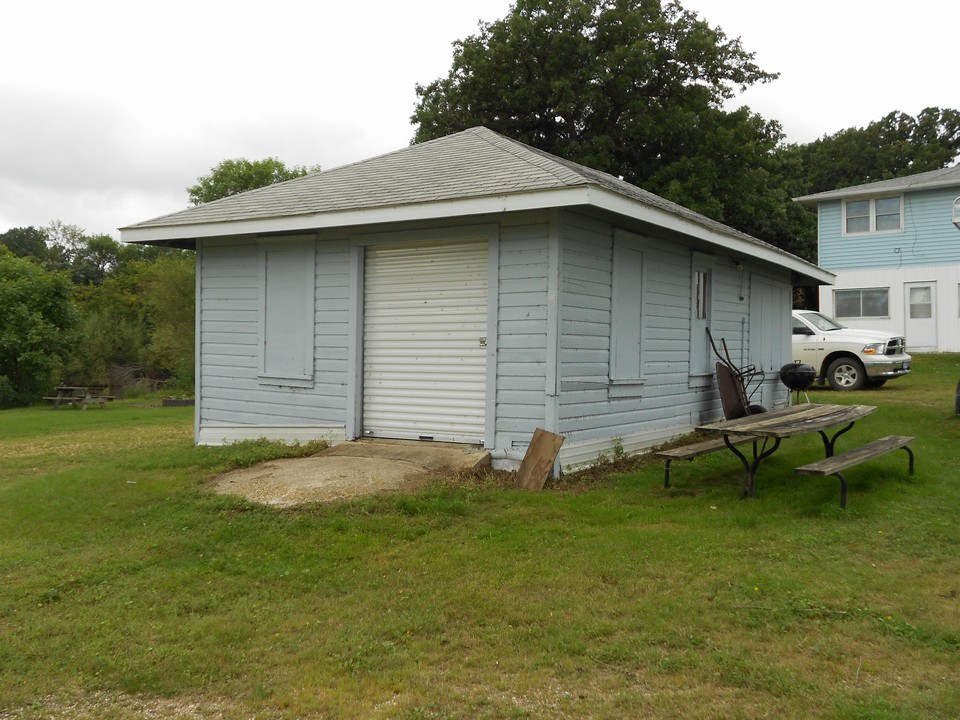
{"x": 822, "y": 322}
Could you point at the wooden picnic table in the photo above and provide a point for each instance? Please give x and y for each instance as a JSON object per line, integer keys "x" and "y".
{"x": 779, "y": 424}
{"x": 79, "y": 395}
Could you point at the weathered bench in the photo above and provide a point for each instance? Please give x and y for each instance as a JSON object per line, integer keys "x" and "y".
{"x": 689, "y": 452}
{"x": 838, "y": 463}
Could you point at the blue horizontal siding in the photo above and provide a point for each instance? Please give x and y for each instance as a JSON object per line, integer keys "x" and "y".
{"x": 929, "y": 236}
{"x": 229, "y": 335}
{"x": 521, "y": 329}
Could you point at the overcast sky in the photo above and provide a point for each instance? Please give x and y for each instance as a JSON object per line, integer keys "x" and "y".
{"x": 109, "y": 110}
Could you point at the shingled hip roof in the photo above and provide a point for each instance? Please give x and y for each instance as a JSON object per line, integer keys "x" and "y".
{"x": 475, "y": 171}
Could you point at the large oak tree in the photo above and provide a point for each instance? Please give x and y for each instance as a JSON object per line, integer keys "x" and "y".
{"x": 632, "y": 87}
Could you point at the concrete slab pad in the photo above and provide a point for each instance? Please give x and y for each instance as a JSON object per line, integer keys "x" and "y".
{"x": 349, "y": 470}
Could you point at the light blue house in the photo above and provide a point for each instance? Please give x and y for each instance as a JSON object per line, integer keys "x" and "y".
{"x": 470, "y": 290}
{"x": 895, "y": 250}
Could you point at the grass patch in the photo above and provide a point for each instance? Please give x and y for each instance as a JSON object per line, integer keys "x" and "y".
{"x": 127, "y": 590}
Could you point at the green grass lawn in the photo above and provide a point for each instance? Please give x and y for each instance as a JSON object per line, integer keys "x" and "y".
{"x": 128, "y": 590}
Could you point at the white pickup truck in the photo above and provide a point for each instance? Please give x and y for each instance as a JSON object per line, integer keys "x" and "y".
{"x": 846, "y": 358}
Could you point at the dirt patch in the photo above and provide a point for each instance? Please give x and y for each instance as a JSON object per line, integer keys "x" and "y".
{"x": 349, "y": 470}
{"x": 283, "y": 483}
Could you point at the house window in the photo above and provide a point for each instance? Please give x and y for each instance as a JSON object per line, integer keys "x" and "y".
{"x": 286, "y": 337}
{"x": 862, "y": 303}
{"x": 872, "y": 216}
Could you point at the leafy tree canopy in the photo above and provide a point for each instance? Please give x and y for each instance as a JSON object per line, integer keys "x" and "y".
{"x": 88, "y": 259}
{"x": 231, "y": 177}
{"x": 25, "y": 242}
{"x": 894, "y": 146}
{"x": 34, "y": 325}
{"x": 167, "y": 287}
{"x": 632, "y": 87}
{"x": 131, "y": 313}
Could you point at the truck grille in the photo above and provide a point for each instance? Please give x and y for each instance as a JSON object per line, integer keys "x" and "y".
{"x": 896, "y": 346}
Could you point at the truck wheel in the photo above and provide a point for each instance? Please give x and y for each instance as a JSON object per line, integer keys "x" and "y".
{"x": 846, "y": 374}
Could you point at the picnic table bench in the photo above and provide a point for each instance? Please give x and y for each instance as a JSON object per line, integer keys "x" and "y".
{"x": 759, "y": 429}
{"x": 836, "y": 464}
{"x": 778, "y": 425}
{"x": 695, "y": 450}
{"x": 79, "y": 396}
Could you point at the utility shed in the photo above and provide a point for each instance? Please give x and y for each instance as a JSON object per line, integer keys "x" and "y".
{"x": 472, "y": 289}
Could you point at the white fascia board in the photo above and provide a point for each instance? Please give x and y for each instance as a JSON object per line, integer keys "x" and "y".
{"x": 362, "y": 216}
{"x": 616, "y": 203}
{"x": 563, "y": 197}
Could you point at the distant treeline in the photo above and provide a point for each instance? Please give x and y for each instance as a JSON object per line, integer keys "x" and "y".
{"x": 84, "y": 309}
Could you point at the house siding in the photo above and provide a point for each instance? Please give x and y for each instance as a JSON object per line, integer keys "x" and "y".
{"x": 522, "y": 331}
{"x": 927, "y": 251}
{"x": 928, "y": 238}
{"x": 769, "y": 339}
{"x": 670, "y": 401}
{"x": 232, "y": 397}
{"x": 947, "y": 298}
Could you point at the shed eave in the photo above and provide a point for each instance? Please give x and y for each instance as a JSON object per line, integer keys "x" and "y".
{"x": 581, "y": 195}
{"x": 616, "y": 203}
{"x": 459, "y": 207}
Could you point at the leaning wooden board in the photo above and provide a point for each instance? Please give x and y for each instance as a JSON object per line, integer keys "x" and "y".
{"x": 538, "y": 460}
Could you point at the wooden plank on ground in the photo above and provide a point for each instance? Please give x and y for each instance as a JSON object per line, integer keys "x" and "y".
{"x": 538, "y": 460}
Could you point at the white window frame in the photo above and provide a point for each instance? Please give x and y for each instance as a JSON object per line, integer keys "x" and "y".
{"x": 861, "y": 316}
{"x": 872, "y": 217}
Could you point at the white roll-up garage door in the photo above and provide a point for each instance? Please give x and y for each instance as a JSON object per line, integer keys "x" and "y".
{"x": 424, "y": 341}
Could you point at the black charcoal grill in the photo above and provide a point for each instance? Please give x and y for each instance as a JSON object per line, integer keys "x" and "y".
{"x": 798, "y": 378}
